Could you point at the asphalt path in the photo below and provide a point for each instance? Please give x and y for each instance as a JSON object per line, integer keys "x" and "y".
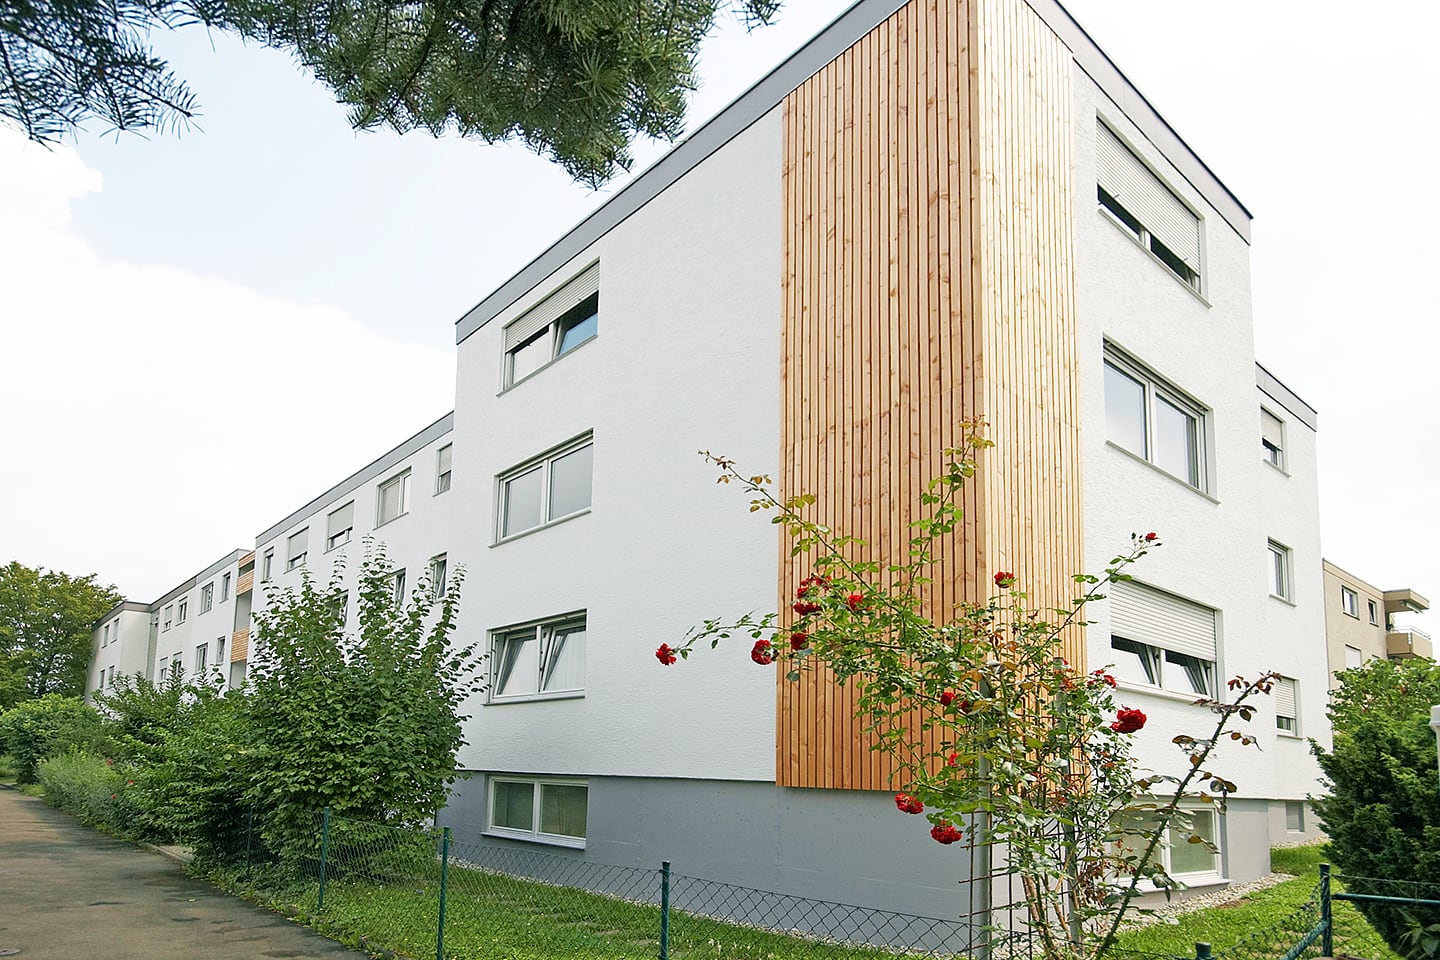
{"x": 70, "y": 893}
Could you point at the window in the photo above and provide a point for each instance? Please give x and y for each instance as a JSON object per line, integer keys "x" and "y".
{"x": 105, "y": 635}
{"x": 1178, "y": 855}
{"x": 397, "y": 587}
{"x": 219, "y": 650}
{"x": 550, "y": 811}
{"x": 296, "y": 548}
{"x": 1354, "y": 659}
{"x": 442, "y": 469}
{"x": 538, "y": 659}
{"x": 177, "y": 669}
{"x": 546, "y": 490}
{"x": 1374, "y": 612}
{"x": 438, "y": 573}
{"x": 1280, "y": 571}
{"x": 561, "y": 322}
{"x": 169, "y": 616}
{"x": 1272, "y": 439}
{"x": 207, "y": 597}
{"x": 267, "y": 565}
{"x": 225, "y": 588}
{"x": 338, "y": 526}
{"x": 162, "y": 670}
{"x": 1143, "y": 206}
{"x": 1161, "y": 640}
{"x": 1153, "y": 421}
{"x": 202, "y": 652}
{"x": 110, "y": 677}
{"x": 1350, "y": 602}
{"x": 1294, "y": 816}
{"x": 1286, "y": 717}
{"x": 394, "y": 499}
{"x": 182, "y": 610}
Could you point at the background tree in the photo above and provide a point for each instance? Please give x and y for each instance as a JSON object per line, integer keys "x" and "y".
{"x": 574, "y": 79}
{"x": 1383, "y": 812}
{"x": 45, "y": 629}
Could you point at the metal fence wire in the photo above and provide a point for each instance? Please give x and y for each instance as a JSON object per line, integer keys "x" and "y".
{"x": 1378, "y": 918}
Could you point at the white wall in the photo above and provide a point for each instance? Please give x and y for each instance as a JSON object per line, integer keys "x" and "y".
{"x": 686, "y": 358}
{"x": 1214, "y": 545}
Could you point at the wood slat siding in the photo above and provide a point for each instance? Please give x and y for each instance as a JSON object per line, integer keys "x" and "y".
{"x": 246, "y": 582}
{"x": 239, "y": 646}
{"x": 927, "y": 278}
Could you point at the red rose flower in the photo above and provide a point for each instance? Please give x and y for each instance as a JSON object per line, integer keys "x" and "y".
{"x": 908, "y": 804}
{"x": 799, "y": 640}
{"x": 665, "y": 654}
{"x": 966, "y": 706}
{"x": 1100, "y": 676}
{"x": 1127, "y": 720}
{"x": 943, "y": 832}
{"x": 805, "y": 607}
{"x": 1004, "y": 579}
{"x": 953, "y": 760}
{"x": 1151, "y": 536}
{"x": 947, "y": 698}
{"x": 762, "y": 653}
{"x": 855, "y": 601}
{"x": 109, "y": 761}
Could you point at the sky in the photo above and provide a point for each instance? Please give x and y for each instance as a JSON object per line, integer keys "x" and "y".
{"x": 202, "y": 332}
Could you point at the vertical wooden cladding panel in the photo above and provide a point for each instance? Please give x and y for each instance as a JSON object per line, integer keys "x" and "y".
{"x": 898, "y": 255}
{"x": 1029, "y": 373}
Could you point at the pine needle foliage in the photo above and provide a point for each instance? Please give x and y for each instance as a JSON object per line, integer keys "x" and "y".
{"x": 576, "y": 80}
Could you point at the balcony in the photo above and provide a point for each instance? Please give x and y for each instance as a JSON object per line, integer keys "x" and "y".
{"x": 240, "y": 645}
{"x": 1405, "y": 643}
{"x": 246, "y": 583}
{"x": 1405, "y": 601}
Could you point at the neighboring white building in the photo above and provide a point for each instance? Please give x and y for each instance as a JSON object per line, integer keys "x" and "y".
{"x": 927, "y": 213}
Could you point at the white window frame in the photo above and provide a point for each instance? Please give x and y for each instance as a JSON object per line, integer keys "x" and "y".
{"x": 1373, "y": 609}
{"x": 219, "y": 652}
{"x": 1350, "y": 601}
{"x": 397, "y": 586}
{"x": 1156, "y": 388}
{"x": 439, "y": 576}
{"x": 1359, "y": 657}
{"x": 267, "y": 564}
{"x": 1195, "y": 877}
{"x": 202, "y": 655}
{"x": 1282, "y": 575}
{"x": 1296, "y": 807}
{"x": 543, "y": 323}
{"x": 339, "y": 538}
{"x": 1167, "y": 667}
{"x": 1293, "y": 730}
{"x": 168, "y": 619}
{"x": 207, "y": 597}
{"x": 294, "y": 558}
{"x": 534, "y": 835}
{"x": 544, "y": 632}
{"x": 182, "y": 610}
{"x": 224, "y": 587}
{"x": 443, "y": 476}
{"x": 545, "y": 462}
{"x": 1273, "y": 450}
{"x": 403, "y": 479}
{"x": 105, "y": 636}
{"x": 1122, "y": 213}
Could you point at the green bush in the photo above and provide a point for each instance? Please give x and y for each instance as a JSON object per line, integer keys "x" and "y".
{"x": 47, "y": 727}
{"x": 1383, "y": 814}
{"x": 95, "y": 789}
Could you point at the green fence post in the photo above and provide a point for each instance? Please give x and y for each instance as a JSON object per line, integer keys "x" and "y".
{"x": 324, "y": 854}
{"x": 1202, "y": 951}
{"x": 249, "y": 835}
{"x": 444, "y": 874}
{"x": 1327, "y": 933}
{"x": 665, "y": 910}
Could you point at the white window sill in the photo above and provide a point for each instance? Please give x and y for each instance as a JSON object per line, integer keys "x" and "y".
{"x": 544, "y": 526}
{"x": 536, "y": 697}
{"x": 392, "y": 519}
{"x": 1164, "y": 473}
{"x": 546, "y": 365}
{"x": 1159, "y": 693}
{"x": 1277, "y": 468}
{"x": 1288, "y": 735}
{"x": 1196, "y": 881}
{"x": 1110, "y": 217}
{"x": 1285, "y": 600}
{"x": 549, "y": 839}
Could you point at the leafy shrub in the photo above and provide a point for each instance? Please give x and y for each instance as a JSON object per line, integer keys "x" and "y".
{"x": 95, "y": 789}
{"x": 47, "y": 727}
{"x": 1383, "y": 814}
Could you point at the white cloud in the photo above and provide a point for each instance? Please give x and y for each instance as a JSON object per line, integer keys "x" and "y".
{"x": 154, "y": 418}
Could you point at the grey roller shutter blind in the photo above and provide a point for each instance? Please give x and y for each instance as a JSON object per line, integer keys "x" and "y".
{"x": 1271, "y": 429}
{"x": 548, "y": 310}
{"x": 1285, "y": 698}
{"x": 1160, "y": 619}
{"x": 1124, "y": 177}
{"x": 297, "y": 543}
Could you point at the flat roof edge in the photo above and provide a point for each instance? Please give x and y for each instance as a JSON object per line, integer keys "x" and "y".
{"x": 370, "y": 471}
{"x": 1287, "y": 398}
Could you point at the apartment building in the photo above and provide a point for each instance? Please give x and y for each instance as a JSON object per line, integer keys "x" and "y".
{"x": 931, "y": 211}
{"x": 936, "y": 209}
{"x": 188, "y": 632}
{"x": 1363, "y": 622}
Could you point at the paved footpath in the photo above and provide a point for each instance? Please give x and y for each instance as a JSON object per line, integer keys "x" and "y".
{"x": 69, "y": 893}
